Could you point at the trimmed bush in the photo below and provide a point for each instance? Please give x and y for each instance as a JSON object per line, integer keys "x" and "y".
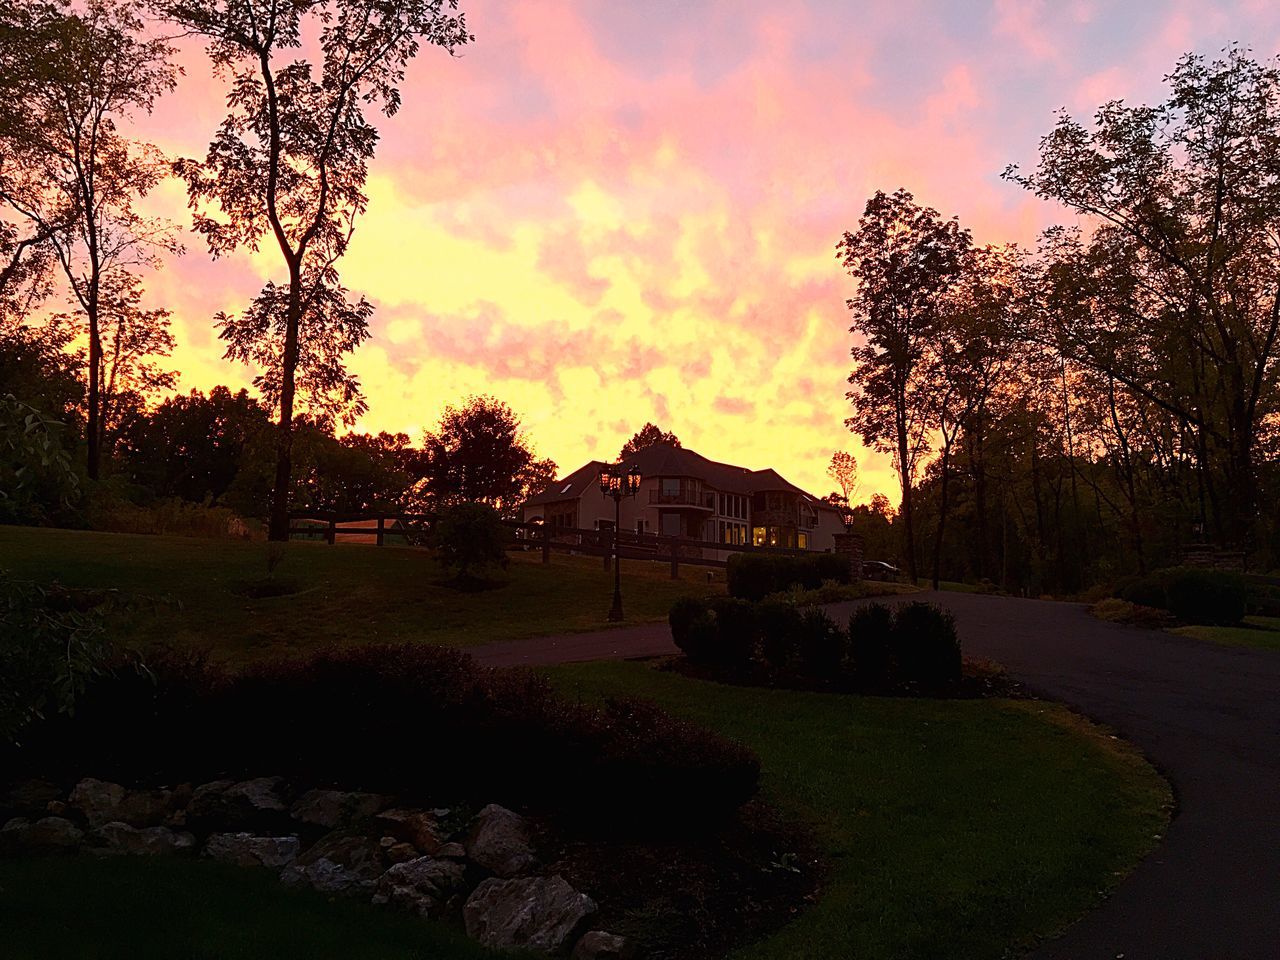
{"x": 780, "y": 633}
{"x": 925, "y": 645}
{"x": 361, "y": 718}
{"x": 823, "y": 645}
{"x": 871, "y": 645}
{"x": 737, "y": 632}
{"x": 685, "y": 614}
{"x": 753, "y": 576}
{"x": 1192, "y": 594}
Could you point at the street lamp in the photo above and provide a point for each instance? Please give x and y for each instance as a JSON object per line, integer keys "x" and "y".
{"x": 617, "y": 481}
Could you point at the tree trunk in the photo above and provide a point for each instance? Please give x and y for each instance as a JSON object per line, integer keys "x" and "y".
{"x": 94, "y": 425}
{"x": 942, "y": 514}
{"x": 278, "y": 528}
{"x": 904, "y": 473}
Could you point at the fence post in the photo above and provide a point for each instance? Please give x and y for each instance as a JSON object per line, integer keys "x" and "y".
{"x": 330, "y": 533}
{"x": 381, "y": 528}
{"x": 675, "y": 559}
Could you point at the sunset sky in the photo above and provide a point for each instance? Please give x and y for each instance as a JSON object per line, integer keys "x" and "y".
{"x": 611, "y": 212}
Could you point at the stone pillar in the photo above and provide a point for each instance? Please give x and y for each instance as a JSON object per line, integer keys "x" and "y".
{"x": 849, "y": 545}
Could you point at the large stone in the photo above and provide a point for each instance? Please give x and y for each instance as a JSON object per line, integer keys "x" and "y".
{"x": 423, "y": 886}
{"x": 33, "y": 796}
{"x": 145, "y": 808}
{"x": 336, "y": 808}
{"x": 599, "y": 945}
{"x": 362, "y": 855}
{"x": 412, "y": 826}
{"x": 247, "y": 850}
{"x": 97, "y": 800}
{"x": 499, "y": 842}
{"x": 246, "y": 803}
{"x": 327, "y": 877}
{"x": 121, "y": 838}
{"x": 14, "y": 836}
{"x": 54, "y": 834}
{"x": 531, "y": 913}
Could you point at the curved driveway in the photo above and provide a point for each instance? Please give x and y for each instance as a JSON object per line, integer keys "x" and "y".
{"x": 1207, "y": 715}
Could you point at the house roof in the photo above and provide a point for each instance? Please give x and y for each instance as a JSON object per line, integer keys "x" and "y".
{"x": 665, "y": 460}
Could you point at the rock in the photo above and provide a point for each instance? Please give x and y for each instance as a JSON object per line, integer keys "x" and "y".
{"x": 247, "y": 850}
{"x": 14, "y": 836}
{"x": 401, "y": 853}
{"x": 97, "y": 800}
{"x": 599, "y": 945}
{"x": 452, "y": 851}
{"x": 56, "y": 808}
{"x": 336, "y": 808}
{"x": 121, "y": 838}
{"x": 243, "y": 804}
{"x": 208, "y": 801}
{"x": 423, "y": 885}
{"x": 533, "y": 913}
{"x": 327, "y": 877}
{"x": 144, "y": 808}
{"x": 54, "y": 834}
{"x": 259, "y": 794}
{"x": 499, "y": 842}
{"x": 412, "y": 826}
{"x": 357, "y": 853}
{"x": 33, "y": 796}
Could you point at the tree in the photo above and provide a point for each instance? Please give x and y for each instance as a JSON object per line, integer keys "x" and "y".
{"x": 905, "y": 258}
{"x": 290, "y": 162}
{"x": 1175, "y": 292}
{"x": 479, "y": 454}
{"x": 843, "y": 469}
{"x": 647, "y": 436}
{"x": 70, "y": 79}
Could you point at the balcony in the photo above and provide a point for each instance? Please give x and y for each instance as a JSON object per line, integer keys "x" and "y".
{"x": 692, "y": 499}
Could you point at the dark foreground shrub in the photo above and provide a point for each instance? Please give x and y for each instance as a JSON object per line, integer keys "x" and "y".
{"x": 753, "y": 576}
{"x": 688, "y": 617}
{"x": 871, "y": 645}
{"x": 421, "y": 722}
{"x": 737, "y": 632}
{"x": 1192, "y": 594}
{"x": 926, "y": 647}
{"x": 780, "y": 633}
{"x": 823, "y": 646}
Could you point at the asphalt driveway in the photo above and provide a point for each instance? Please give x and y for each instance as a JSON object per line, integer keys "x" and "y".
{"x": 1208, "y": 716}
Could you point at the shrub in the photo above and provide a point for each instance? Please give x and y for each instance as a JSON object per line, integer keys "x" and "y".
{"x": 925, "y": 646}
{"x": 1115, "y": 610}
{"x": 471, "y": 540}
{"x": 1192, "y": 594}
{"x": 684, "y": 613}
{"x": 753, "y": 576}
{"x": 361, "y": 718}
{"x": 737, "y": 632}
{"x": 823, "y": 645}
{"x": 871, "y": 645}
{"x": 780, "y": 633}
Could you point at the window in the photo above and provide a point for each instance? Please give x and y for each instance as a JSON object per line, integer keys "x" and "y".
{"x": 723, "y": 511}
{"x": 671, "y": 524}
{"x": 671, "y": 486}
{"x": 804, "y": 540}
{"x": 642, "y": 526}
{"x": 757, "y": 536}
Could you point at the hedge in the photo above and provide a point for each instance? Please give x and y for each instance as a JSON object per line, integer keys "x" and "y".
{"x": 1192, "y": 594}
{"x": 753, "y": 576}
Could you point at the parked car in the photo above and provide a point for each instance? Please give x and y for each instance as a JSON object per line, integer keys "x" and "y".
{"x": 879, "y": 570}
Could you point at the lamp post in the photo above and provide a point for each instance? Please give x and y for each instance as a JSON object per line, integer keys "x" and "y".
{"x": 617, "y": 481}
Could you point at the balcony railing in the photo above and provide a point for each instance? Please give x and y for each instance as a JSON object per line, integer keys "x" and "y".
{"x": 683, "y": 498}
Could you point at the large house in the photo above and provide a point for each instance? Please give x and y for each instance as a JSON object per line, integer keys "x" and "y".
{"x": 683, "y": 494}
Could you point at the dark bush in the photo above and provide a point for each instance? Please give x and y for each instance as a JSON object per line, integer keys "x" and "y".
{"x": 424, "y": 723}
{"x": 780, "y": 633}
{"x": 753, "y": 576}
{"x": 1192, "y": 594}
{"x": 471, "y": 541}
{"x": 684, "y": 614}
{"x": 871, "y": 645}
{"x": 925, "y": 646}
{"x": 737, "y": 632}
{"x": 823, "y": 646}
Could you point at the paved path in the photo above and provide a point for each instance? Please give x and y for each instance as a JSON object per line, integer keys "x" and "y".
{"x": 1208, "y": 716}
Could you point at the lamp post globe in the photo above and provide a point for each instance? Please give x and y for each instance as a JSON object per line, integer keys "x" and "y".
{"x": 617, "y": 481}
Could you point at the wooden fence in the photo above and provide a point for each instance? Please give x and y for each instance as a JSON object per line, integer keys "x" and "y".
{"x": 533, "y": 536}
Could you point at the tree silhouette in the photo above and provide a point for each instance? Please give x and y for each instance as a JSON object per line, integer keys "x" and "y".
{"x": 843, "y": 469}
{"x": 647, "y": 436}
{"x": 290, "y": 161}
{"x": 905, "y": 258}
{"x": 69, "y": 80}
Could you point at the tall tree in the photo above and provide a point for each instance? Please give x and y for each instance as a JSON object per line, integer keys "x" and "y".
{"x": 71, "y": 79}
{"x": 479, "y": 454}
{"x": 1175, "y": 292}
{"x": 290, "y": 162}
{"x": 647, "y": 436}
{"x": 905, "y": 257}
{"x": 843, "y": 469}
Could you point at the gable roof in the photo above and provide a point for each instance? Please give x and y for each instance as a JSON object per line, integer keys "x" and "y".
{"x": 665, "y": 460}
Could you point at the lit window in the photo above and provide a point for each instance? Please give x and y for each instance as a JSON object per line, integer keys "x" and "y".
{"x": 804, "y": 541}
{"x": 757, "y": 536}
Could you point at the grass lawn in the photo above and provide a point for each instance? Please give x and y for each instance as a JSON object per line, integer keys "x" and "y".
{"x": 347, "y": 593}
{"x": 1260, "y": 632}
{"x": 956, "y": 828}
{"x": 131, "y": 909}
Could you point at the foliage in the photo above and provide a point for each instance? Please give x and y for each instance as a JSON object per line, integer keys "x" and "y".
{"x": 926, "y": 649}
{"x": 780, "y": 632}
{"x": 353, "y": 716}
{"x": 871, "y": 646}
{"x": 479, "y": 453}
{"x": 53, "y": 644}
{"x": 470, "y": 539}
{"x": 36, "y": 476}
{"x": 823, "y": 646}
{"x": 753, "y": 576}
{"x": 109, "y": 510}
{"x": 1192, "y": 594}
{"x": 719, "y": 632}
{"x": 647, "y": 436}
{"x": 1115, "y": 610}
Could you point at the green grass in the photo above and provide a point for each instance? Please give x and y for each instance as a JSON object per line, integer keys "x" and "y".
{"x": 130, "y": 909}
{"x": 955, "y": 828}
{"x": 1262, "y": 633}
{"x": 346, "y": 594}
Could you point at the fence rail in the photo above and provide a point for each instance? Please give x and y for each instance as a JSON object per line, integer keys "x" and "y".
{"x": 630, "y": 545}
